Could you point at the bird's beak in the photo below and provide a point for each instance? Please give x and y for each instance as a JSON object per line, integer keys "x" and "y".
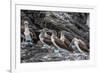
{"x": 38, "y": 30}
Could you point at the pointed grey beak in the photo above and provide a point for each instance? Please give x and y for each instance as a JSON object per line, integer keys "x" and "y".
{"x": 38, "y": 30}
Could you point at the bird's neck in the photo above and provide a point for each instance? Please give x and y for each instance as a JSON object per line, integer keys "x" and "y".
{"x": 26, "y": 28}
{"x": 62, "y": 37}
{"x": 45, "y": 34}
{"x": 54, "y": 35}
{"x": 42, "y": 34}
{"x": 26, "y": 32}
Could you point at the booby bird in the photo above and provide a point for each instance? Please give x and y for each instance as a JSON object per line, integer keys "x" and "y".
{"x": 45, "y": 38}
{"x": 64, "y": 36}
{"x": 46, "y": 41}
{"x": 80, "y": 45}
{"x": 24, "y": 29}
{"x": 28, "y": 38}
{"x": 59, "y": 43}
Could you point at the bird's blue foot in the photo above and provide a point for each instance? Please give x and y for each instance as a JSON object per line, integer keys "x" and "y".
{"x": 57, "y": 53}
{"x": 45, "y": 46}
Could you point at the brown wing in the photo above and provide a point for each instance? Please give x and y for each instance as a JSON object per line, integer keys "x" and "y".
{"x": 47, "y": 40}
{"x": 22, "y": 30}
{"x": 60, "y": 43}
{"x": 48, "y": 36}
{"x": 83, "y": 47}
{"x": 33, "y": 35}
{"x": 66, "y": 41}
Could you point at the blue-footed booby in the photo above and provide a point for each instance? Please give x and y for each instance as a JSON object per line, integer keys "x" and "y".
{"x": 46, "y": 41}
{"x": 80, "y": 45}
{"x": 66, "y": 38}
{"x": 27, "y": 33}
{"x": 44, "y": 37}
{"x": 60, "y": 43}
